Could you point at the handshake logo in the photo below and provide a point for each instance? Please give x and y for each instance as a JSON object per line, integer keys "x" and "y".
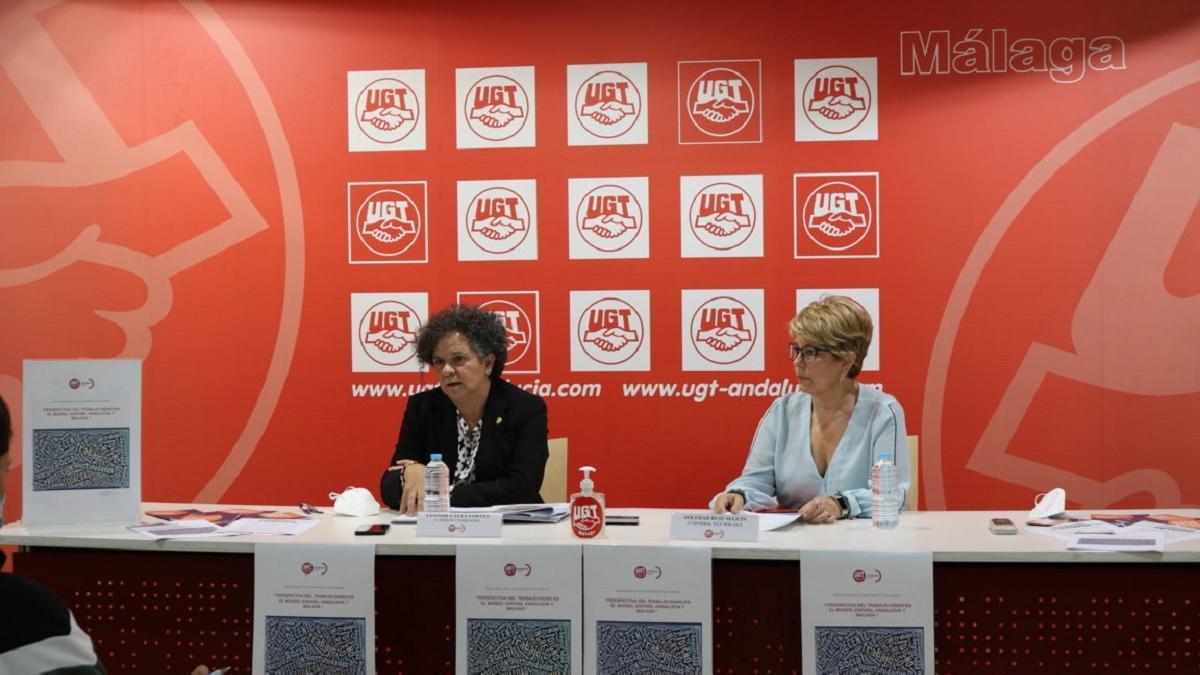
{"x": 720, "y": 102}
{"x": 610, "y": 331}
{"x": 837, "y": 215}
{"x": 723, "y": 330}
{"x": 498, "y": 220}
{"x": 608, "y": 104}
{"x": 387, "y": 110}
{"x": 496, "y": 108}
{"x": 608, "y": 218}
{"x": 835, "y": 100}
{"x": 388, "y": 223}
{"x": 387, "y": 332}
{"x": 722, "y": 216}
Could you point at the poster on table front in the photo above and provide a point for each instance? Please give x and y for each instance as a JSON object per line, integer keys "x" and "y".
{"x": 519, "y": 609}
{"x": 314, "y": 608}
{"x": 867, "y": 612}
{"x": 81, "y": 440}
{"x": 647, "y": 609}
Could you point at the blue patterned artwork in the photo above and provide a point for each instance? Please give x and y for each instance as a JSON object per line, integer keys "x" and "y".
{"x": 870, "y": 651}
{"x": 533, "y": 646}
{"x": 80, "y": 459}
{"x": 309, "y": 644}
{"x": 628, "y": 647}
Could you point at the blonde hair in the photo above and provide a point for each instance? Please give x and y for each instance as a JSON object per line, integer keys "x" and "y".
{"x": 838, "y": 324}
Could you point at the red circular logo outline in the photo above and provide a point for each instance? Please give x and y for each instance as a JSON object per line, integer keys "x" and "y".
{"x": 691, "y": 101}
{"x": 641, "y": 330}
{"x": 360, "y": 105}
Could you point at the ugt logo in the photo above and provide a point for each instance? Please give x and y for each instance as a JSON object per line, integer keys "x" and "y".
{"x": 388, "y": 222}
{"x": 384, "y": 110}
{"x": 609, "y": 218}
{"x": 836, "y": 215}
{"x": 722, "y": 216}
{"x": 610, "y": 331}
{"x": 387, "y": 110}
{"x": 513, "y": 569}
{"x": 720, "y": 102}
{"x": 643, "y": 572}
{"x": 608, "y": 104}
{"x": 723, "y": 330}
{"x": 837, "y": 99}
{"x": 497, "y": 220}
{"x": 388, "y": 331}
{"x": 586, "y": 517}
{"x": 496, "y": 107}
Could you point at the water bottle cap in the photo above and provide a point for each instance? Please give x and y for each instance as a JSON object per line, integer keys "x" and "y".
{"x": 435, "y": 457}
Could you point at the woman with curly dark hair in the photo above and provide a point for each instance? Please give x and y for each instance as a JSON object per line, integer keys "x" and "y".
{"x": 490, "y": 433}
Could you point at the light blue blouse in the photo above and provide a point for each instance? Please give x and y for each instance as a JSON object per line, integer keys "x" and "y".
{"x": 780, "y": 471}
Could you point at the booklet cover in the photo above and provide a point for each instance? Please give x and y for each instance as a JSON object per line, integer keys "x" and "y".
{"x": 223, "y": 517}
{"x": 82, "y": 438}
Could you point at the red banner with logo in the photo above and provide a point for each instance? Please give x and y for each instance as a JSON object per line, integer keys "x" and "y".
{"x": 264, "y": 202}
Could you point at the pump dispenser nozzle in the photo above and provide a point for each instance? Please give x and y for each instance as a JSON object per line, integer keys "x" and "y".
{"x": 586, "y": 485}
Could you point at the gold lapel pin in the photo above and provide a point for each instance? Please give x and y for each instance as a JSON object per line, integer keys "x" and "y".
{"x": 499, "y": 420}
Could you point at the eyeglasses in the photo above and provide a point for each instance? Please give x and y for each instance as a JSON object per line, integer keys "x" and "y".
{"x": 305, "y": 507}
{"x": 808, "y": 354}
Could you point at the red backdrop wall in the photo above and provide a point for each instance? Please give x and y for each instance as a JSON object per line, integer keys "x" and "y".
{"x": 176, "y": 187}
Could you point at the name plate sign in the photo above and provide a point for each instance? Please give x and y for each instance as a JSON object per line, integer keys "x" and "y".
{"x": 713, "y": 527}
{"x": 459, "y": 524}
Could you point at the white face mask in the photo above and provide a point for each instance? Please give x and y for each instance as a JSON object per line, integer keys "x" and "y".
{"x": 1049, "y": 504}
{"x": 354, "y": 501}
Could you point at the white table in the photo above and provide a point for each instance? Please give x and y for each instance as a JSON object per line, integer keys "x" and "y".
{"x": 1002, "y": 603}
{"x": 952, "y": 536}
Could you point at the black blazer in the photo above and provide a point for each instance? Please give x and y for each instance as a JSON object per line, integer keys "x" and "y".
{"x": 512, "y": 446}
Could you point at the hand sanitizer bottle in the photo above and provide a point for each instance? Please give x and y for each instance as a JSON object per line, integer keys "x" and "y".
{"x": 587, "y": 508}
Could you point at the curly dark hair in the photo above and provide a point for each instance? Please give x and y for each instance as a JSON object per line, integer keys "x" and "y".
{"x": 483, "y": 329}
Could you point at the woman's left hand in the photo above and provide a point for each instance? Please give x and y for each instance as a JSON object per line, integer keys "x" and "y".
{"x": 820, "y": 510}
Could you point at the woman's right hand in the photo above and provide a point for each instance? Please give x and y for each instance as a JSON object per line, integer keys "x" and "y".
{"x": 413, "y": 498}
{"x": 729, "y": 502}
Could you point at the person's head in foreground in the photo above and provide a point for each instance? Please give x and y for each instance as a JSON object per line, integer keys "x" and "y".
{"x": 5, "y": 459}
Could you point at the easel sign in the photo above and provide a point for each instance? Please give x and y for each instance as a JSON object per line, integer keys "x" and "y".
{"x": 81, "y": 442}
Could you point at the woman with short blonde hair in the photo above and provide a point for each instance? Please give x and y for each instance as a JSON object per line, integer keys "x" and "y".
{"x": 814, "y": 449}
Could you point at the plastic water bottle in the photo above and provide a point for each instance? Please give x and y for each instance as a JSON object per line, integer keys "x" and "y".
{"x": 437, "y": 484}
{"x": 885, "y": 498}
